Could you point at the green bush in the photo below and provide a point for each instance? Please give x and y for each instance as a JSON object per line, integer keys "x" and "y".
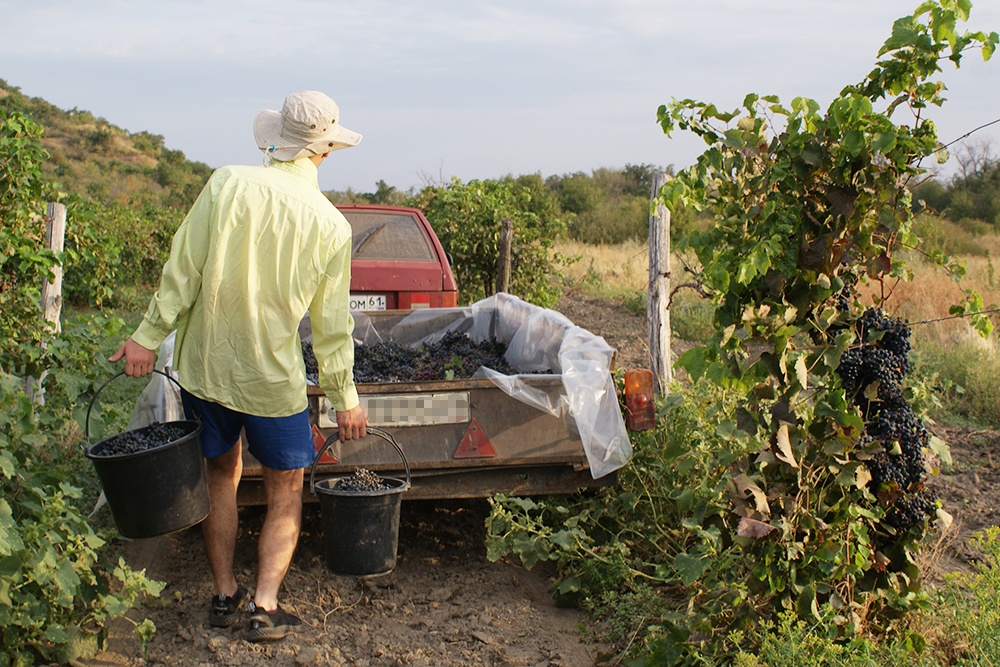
{"x": 578, "y": 193}
{"x": 977, "y": 195}
{"x": 24, "y": 261}
{"x": 975, "y": 226}
{"x": 932, "y": 194}
{"x": 612, "y": 220}
{"x": 789, "y": 641}
{"x": 973, "y": 600}
{"x": 939, "y": 234}
{"x": 113, "y": 251}
{"x": 691, "y": 317}
{"x": 966, "y": 379}
{"x": 667, "y": 526}
{"x": 59, "y": 584}
{"x": 467, "y": 219}
{"x": 610, "y": 206}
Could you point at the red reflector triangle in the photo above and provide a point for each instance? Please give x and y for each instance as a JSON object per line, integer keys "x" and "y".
{"x": 318, "y": 442}
{"x": 475, "y": 444}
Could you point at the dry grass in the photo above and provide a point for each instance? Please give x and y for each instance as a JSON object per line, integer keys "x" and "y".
{"x": 607, "y": 269}
{"x": 614, "y": 270}
{"x": 621, "y": 272}
{"x": 925, "y": 300}
{"x": 937, "y": 556}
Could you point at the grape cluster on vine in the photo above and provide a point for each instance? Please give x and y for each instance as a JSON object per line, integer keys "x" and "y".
{"x": 872, "y": 372}
{"x": 881, "y": 359}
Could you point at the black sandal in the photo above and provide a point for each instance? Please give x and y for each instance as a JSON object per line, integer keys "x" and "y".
{"x": 225, "y": 609}
{"x": 269, "y": 626}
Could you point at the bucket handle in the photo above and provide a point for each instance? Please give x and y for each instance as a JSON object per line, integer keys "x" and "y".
{"x": 372, "y": 430}
{"x": 113, "y": 378}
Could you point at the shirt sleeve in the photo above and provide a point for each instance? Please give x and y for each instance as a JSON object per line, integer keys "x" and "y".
{"x": 332, "y": 329}
{"x": 180, "y": 282}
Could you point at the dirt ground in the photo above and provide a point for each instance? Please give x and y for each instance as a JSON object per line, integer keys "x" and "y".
{"x": 969, "y": 490}
{"x": 445, "y": 604}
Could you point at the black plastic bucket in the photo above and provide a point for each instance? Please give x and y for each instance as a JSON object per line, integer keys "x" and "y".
{"x": 158, "y": 490}
{"x": 360, "y": 530}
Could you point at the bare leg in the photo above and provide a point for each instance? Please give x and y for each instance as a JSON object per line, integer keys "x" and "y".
{"x": 279, "y": 534}
{"x": 220, "y": 527}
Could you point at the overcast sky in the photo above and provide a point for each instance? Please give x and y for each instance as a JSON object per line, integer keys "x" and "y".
{"x": 466, "y": 88}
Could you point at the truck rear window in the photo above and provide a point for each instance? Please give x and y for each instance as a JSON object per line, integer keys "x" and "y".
{"x": 388, "y": 236}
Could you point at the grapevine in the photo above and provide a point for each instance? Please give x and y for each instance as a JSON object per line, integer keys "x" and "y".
{"x": 810, "y": 205}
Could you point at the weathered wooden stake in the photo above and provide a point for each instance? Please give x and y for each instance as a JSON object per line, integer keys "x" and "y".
{"x": 503, "y": 261}
{"x": 657, "y": 303}
{"x": 55, "y": 235}
{"x": 51, "y": 300}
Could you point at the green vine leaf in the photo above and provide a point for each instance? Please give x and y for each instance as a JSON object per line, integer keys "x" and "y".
{"x": 690, "y": 568}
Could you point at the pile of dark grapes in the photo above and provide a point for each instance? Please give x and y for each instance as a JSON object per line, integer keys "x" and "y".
{"x": 141, "y": 439}
{"x": 362, "y": 481}
{"x": 312, "y": 366}
{"x": 872, "y": 373}
{"x": 454, "y": 357}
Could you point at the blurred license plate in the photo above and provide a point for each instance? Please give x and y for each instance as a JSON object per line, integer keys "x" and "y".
{"x": 367, "y": 302}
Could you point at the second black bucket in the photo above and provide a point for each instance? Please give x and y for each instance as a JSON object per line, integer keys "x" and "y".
{"x": 360, "y": 530}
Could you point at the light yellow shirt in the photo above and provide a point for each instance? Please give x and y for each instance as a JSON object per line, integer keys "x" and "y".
{"x": 259, "y": 248}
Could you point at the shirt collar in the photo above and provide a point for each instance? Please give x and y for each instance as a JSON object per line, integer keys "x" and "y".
{"x": 302, "y": 168}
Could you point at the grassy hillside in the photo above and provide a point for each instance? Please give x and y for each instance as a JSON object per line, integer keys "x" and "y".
{"x": 92, "y": 158}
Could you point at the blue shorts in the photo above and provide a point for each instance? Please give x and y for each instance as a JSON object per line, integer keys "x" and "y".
{"x": 279, "y": 443}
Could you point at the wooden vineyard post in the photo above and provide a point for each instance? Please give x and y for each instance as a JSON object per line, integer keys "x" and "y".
{"x": 657, "y": 303}
{"x": 51, "y": 300}
{"x": 503, "y": 262}
{"x": 55, "y": 234}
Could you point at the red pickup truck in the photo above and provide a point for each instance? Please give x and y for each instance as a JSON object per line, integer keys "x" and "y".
{"x": 397, "y": 262}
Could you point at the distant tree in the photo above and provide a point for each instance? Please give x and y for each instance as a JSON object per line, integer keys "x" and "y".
{"x": 184, "y": 179}
{"x": 385, "y": 194}
{"x": 578, "y": 193}
{"x": 975, "y": 158}
{"x": 147, "y": 142}
{"x": 607, "y": 205}
{"x": 543, "y": 201}
{"x": 931, "y": 194}
{"x": 975, "y": 191}
{"x": 639, "y": 177}
{"x": 348, "y": 196}
{"x": 467, "y": 220}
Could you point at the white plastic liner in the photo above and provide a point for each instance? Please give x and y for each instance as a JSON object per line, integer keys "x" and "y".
{"x": 537, "y": 339}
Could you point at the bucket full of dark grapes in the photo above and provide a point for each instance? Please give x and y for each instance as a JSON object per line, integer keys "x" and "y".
{"x": 153, "y": 477}
{"x": 360, "y": 516}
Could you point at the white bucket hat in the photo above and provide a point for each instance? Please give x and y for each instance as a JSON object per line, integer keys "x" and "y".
{"x": 308, "y": 124}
